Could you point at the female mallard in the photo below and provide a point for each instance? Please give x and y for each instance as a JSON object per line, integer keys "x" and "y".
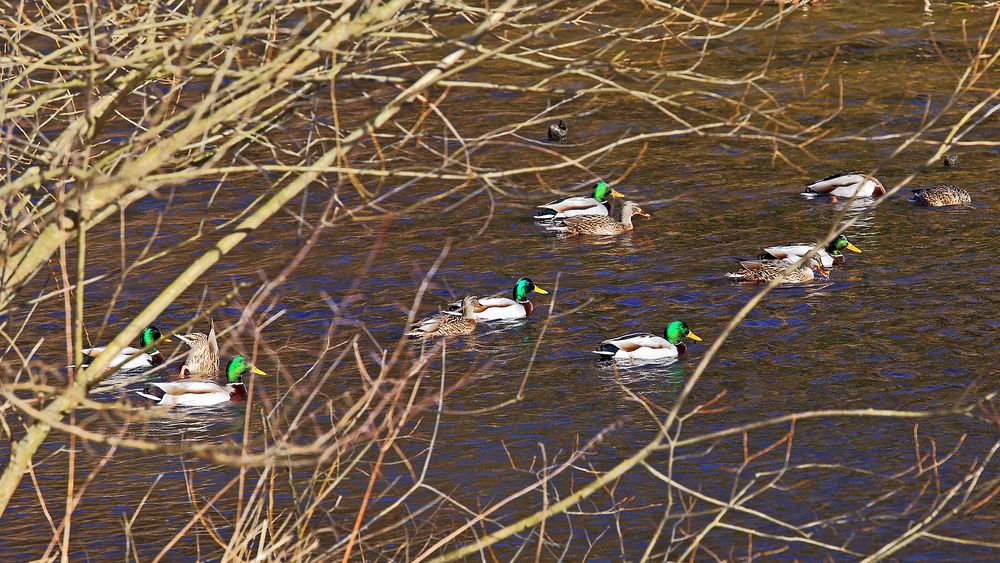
{"x": 124, "y": 360}
{"x": 646, "y": 346}
{"x": 201, "y": 393}
{"x": 832, "y": 254}
{"x": 767, "y": 270}
{"x": 599, "y": 224}
{"x": 444, "y": 324}
{"x": 496, "y": 308}
{"x": 941, "y": 195}
{"x": 579, "y": 205}
{"x": 847, "y": 185}
{"x": 203, "y": 359}
{"x": 558, "y": 131}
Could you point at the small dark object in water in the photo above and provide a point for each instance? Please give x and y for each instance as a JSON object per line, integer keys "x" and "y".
{"x": 558, "y": 131}
{"x": 940, "y": 196}
{"x": 950, "y": 160}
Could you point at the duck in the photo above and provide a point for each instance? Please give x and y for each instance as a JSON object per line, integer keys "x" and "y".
{"x": 558, "y": 131}
{"x": 846, "y": 185}
{"x": 203, "y": 393}
{"x": 596, "y": 204}
{"x": 599, "y": 224}
{"x": 647, "y": 346}
{"x": 829, "y": 256}
{"x": 203, "y": 359}
{"x": 941, "y": 195}
{"x": 767, "y": 270}
{"x": 444, "y": 324}
{"x": 502, "y": 308}
{"x": 124, "y": 360}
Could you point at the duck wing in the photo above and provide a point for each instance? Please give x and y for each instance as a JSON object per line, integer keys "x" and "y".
{"x": 786, "y": 251}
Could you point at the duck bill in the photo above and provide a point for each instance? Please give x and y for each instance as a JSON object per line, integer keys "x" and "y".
{"x": 853, "y": 248}
{"x": 167, "y": 341}
{"x": 694, "y": 336}
{"x": 257, "y": 370}
{"x": 642, "y": 213}
{"x": 540, "y": 291}
{"x": 616, "y": 193}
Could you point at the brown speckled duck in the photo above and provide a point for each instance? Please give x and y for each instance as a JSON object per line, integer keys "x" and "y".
{"x": 767, "y": 270}
{"x": 599, "y": 224}
{"x": 941, "y": 195}
{"x": 444, "y": 324}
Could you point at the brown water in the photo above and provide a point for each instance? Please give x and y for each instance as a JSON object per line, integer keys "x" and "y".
{"x": 909, "y": 324}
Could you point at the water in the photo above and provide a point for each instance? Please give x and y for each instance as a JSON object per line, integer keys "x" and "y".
{"x": 908, "y": 325}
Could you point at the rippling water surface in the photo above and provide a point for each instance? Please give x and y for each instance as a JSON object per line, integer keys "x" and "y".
{"x": 911, "y": 323}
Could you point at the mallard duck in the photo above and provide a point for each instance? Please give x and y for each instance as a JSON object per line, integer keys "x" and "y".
{"x": 596, "y": 204}
{"x": 767, "y": 270}
{"x": 496, "y": 308}
{"x": 203, "y": 359}
{"x": 201, "y": 393}
{"x": 846, "y": 185}
{"x": 558, "y": 131}
{"x": 151, "y": 357}
{"x": 599, "y": 224}
{"x": 941, "y": 195}
{"x": 832, "y": 254}
{"x": 444, "y": 324}
{"x": 646, "y": 346}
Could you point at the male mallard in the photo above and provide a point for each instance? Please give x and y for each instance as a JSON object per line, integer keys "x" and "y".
{"x": 846, "y": 185}
{"x": 941, "y": 195}
{"x": 496, "y": 308}
{"x": 832, "y": 254}
{"x": 579, "y": 205}
{"x": 767, "y": 270}
{"x": 646, "y": 346}
{"x": 151, "y": 357}
{"x": 599, "y": 224}
{"x": 444, "y": 324}
{"x": 201, "y": 393}
{"x": 558, "y": 131}
{"x": 203, "y": 359}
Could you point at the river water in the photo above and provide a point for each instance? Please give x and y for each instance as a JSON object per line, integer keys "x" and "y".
{"x": 909, "y": 324}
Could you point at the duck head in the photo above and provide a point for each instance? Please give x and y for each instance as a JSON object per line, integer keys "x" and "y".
{"x": 840, "y": 244}
{"x": 602, "y": 190}
{"x": 677, "y": 330}
{"x": 632, "y": 208}
{"x": 524, "y": 287}
{"x": 237, "y": 368}
{"x": 148, "y": 336}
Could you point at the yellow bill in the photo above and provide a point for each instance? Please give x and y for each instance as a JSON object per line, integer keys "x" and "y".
{"x": 694, "y": 336}
{"x": 853, "y": 248}
{"x": 540, "y": 291}
{"x": 257, "y": 370}
{"x": 616, "y": 193}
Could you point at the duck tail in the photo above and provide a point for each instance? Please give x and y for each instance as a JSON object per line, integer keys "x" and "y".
{"x": 152, "y": 393}
{"x": 606, "y": 350}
